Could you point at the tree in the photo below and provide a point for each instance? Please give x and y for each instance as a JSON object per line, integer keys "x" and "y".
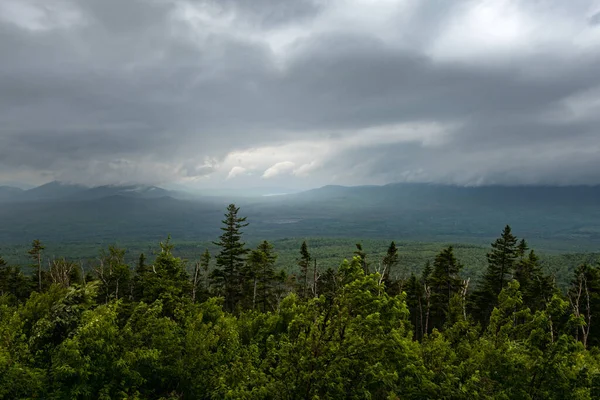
{"x": 445, "y": 283}
{"x": 36, "y": 254}
{"x": 13, "y": 282}
{"x": 362, "y": 256}
{"x": 200, "y": 274}
{"x": 304, "y": 264}
{"x": 501, "y": 264}
{"x": 227, "y": 276}
{"x": 584, "y": 297}
{"x": 113, "y": 273}
{"x": 166, "y": 280}
{"x": 390, "y": 261}
{"x": 537, "y": 288}
{"x": 62, "y": 272}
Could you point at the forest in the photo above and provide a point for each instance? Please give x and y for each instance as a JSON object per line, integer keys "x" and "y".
{"x": 232, "y": 325}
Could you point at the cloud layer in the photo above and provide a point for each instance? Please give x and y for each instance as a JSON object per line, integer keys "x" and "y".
{"x": 300, "y": 93}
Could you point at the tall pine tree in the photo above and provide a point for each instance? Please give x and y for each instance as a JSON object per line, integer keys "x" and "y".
{"x": 390, "y": 261}
{"x": 304, "y": 265}
{"x": 501, "y": 264}
{"x": 227, "y": 277}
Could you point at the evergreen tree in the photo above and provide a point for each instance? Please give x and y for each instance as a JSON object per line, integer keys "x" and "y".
{"x": 259, "y": 277}
{"x": 36, "y": 254}
{"x": 165, "y": 280}
{"x": 501, "y": 264}
{"x": 13, "y": 282}
{"x": 267, "y": 277}
{"x": 390, "y": 261}
{"x": 205, "y": 265}
{"x": 536, "y": 288}
{"x": 445, "y": 283}
{"x": 227, "y": 277}
{"x": 304, "y": 264}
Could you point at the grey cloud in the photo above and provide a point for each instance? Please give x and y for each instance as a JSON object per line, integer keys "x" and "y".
{"x": 133, "y": 83}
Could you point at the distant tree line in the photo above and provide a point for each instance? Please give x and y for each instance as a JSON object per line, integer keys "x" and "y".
{"x": 232, "y": 326}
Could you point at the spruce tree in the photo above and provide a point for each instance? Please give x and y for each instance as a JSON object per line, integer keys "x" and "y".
{"x": 304, "y": 265}
{"x": 536, "y": 288}
{"x": 266, "y": 275}
{"x": 501, "y": 263}
{"x": 36, "y": 254}
{"x": 445, "y": 283}
{"x": 390, "y": 261}
{"x": 227, "y": 277}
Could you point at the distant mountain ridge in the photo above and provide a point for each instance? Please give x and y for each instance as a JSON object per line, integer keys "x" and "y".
{"x": 60, "y": 191}
{"x": 567, "y": 215}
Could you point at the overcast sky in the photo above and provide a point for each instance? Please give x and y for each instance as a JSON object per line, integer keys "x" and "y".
{"x": 300, "y": 93}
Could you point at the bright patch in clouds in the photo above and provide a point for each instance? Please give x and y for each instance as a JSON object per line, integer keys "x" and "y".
{"x": 279, "y": 169}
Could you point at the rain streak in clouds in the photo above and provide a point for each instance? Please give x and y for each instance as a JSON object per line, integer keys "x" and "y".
{"x": 300, "y": 93}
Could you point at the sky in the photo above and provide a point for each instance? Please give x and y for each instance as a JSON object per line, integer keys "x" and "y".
{"x": 300, "y": 93}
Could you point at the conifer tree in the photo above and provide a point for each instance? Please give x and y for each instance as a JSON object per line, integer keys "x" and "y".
{"x": 536, "y": 288}
{"x": 266, "y": 275}
{"x": 426, "y": 304}
{"x": 205, "y": 265}
{"x": 227, "y": 277}
{"x": 304, "y": 264}
{"x": 390, "y": 261}
{"x": 501, "y": 264}
{"x": 36, "y": 254}
{"x": 166, "y": 279}
{"x": 445, "y": 283}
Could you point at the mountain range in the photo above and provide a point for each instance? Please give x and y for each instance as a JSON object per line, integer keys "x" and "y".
{"x": 70, "y": 192}
{"x": 565, "y": 217}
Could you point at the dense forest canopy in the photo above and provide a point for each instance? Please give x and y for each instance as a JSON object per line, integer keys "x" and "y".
{"x": 232, "y": 325}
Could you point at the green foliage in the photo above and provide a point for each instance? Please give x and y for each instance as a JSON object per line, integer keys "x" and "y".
{"x": 155, "y": 332}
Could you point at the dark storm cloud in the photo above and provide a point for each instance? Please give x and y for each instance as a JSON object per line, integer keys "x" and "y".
{"x": 98, "y": 91}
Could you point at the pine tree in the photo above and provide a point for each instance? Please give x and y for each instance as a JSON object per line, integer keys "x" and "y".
{"x": 536, "y": 288}
{"x": 390, "y": 261}
{"x": 501, "y": 261}
{"x": 205, "y": 265}
{"x": 445, "y": 283}
{"x": 304, "y": 264}
{"x": 36, "y": 254}
{"x": 426, "y": 306}
{"x": 166, "y": 280}
{"x": 267, "y": 275}
{"x": 501, "y": 264}
{"x": 227, "y": 277}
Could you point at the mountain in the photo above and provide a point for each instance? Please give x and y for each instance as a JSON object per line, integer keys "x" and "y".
{"x": 561, "y": 217}
{"x": 9, "y": 192}
{"x": 136, "y": 191}
{"x": 51, "y": 191}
